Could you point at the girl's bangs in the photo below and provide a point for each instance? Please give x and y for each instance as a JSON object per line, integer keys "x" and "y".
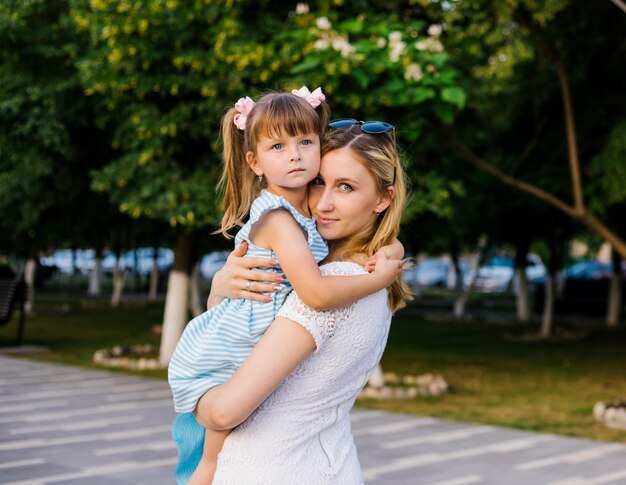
{"x": 291, "y": 117}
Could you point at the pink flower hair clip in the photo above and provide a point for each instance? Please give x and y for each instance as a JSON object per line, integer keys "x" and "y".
{"x": 244, "y": 107}
{"x": 314, "y": 98}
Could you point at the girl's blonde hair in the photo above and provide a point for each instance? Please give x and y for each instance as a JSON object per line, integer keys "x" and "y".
{"x": 378, "y": 154}
{"x": 275, "y": 114}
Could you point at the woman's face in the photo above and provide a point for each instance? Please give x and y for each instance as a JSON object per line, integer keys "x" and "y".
{"x": 344, "y": 197}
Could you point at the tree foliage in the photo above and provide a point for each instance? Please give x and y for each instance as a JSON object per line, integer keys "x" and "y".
{"x": 168, "y": 71}
{"x": 46, "y": 142}
{"x": 540, "y": 70}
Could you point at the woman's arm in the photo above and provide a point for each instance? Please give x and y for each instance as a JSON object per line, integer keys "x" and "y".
{"x": 279, "y": 231}
{"x": 231, "y": 281}
{"x": 281, "y": 349}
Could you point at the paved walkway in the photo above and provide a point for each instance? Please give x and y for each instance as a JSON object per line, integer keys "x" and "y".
{"x": 65, "y": 425}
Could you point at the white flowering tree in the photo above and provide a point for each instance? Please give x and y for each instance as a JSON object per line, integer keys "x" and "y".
{"x": 388, "y": 63}
{"x": 375, "y": 64}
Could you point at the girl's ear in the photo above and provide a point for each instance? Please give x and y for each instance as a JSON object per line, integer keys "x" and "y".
{"x": 384, "y": 199}
{"x": 252, "y": 162}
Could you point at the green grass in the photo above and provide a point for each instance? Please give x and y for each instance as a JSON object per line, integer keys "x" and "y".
{"x": 73, "y": 329}
{"x": 541, "y": 386}
{"x": 548, "y": 386}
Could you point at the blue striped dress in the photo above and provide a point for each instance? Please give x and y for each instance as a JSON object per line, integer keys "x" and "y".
{"x": 216, "y": 343}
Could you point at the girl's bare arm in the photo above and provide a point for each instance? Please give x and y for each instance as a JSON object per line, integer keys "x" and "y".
{"x": 281, "y": 232}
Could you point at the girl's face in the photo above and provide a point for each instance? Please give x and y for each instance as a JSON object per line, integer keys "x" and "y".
{"x": 344, "y": 197}
{"x": 286, "y": 162}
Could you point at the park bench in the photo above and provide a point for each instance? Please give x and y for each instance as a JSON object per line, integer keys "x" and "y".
{"x": 12, "y": 295}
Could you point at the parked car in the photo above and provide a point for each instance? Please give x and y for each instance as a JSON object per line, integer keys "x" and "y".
{"x": 145, "y": 260}
{"x": 86, "y": 260}
{"x": 211, "y": 263}
{"x": 588, "y": 270}
{"x": 63, "y": 259}
{"x": 585, "y": 289}
{"x": 434, "y": 273}
{"x": 164, "y": 259}
{"x": 497, "y": 274}
{"x": 429, "y": 272}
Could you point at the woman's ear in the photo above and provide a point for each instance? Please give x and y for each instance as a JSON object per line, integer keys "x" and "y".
{"x": 252, "y": 162}
{"x": 384, "y": 200}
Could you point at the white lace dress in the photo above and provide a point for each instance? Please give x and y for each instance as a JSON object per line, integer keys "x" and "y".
{"x": 301, "y": 434}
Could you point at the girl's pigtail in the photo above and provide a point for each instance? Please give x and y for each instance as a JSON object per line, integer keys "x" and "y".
{"x": 323, "y": 112}
{"x": 238, "y": 180}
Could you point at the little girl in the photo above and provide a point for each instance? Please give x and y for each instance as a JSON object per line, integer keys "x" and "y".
{"x": 274, "y": 142}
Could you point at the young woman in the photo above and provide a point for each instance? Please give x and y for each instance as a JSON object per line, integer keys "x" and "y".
{"x": 271, "y": 154}
{"x": 302, "y": 377}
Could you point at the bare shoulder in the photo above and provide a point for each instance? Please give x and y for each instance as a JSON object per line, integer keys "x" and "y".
{"x": 271, "y": 224}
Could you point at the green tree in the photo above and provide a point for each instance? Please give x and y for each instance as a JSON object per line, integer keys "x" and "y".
{"x": 168, "y": 70}
{"x": 559, "y": 58}
{"x": 47, "y": 141}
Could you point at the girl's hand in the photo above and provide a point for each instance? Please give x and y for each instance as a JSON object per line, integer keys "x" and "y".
{"x": 370, "y": 264}
{"x": 387, "y": 269}
{"x": 238, "y": 278}
{"x": 395, "y": 250}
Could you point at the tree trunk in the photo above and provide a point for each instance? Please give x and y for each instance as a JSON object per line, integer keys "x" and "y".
{"x": 520, "y": 282}
{"x": 522, "y": 297}
{"x": 136, "y": 273}
{"x": 615, "y": 293}
{"x": 75, "y": 270}
{"x": 175, "y": 315}
{"x": 461, "y": 301}
{"x": 415, "y": 284}
{"x": 554, "y": 268}
{"x": 29, "y": 279}
{"x": 195, "y": 302}
{"x": 548, "y": 307}
{"x": 154, "y": 281}
{"x": 455, "y": 279}
{"x": 95, "y": 277}
{"x": 119, "y": 279}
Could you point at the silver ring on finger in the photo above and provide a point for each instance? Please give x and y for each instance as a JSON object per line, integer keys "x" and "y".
{"x": 248, "y": 285}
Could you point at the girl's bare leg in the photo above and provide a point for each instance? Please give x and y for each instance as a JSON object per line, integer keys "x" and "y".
{"x": 213, "y": 441}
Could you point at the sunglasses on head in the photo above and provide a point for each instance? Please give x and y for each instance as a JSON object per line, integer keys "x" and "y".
{"x": 371, "y": 127}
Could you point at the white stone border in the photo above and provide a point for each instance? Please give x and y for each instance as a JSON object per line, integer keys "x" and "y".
{"x": 135, "y": 357}
{"x": 406, "y": 387}
{"x": 611, "y": 413}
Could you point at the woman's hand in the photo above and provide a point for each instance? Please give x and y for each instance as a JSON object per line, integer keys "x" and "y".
{"x": 239, "y": 279}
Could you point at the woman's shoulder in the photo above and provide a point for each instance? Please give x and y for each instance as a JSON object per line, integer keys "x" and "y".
{"x": 342, "y": 268}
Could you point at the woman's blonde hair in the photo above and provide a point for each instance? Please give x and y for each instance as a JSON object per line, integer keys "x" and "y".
{"x": 274, "y": 114}
{"x": 378, "y": 154}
